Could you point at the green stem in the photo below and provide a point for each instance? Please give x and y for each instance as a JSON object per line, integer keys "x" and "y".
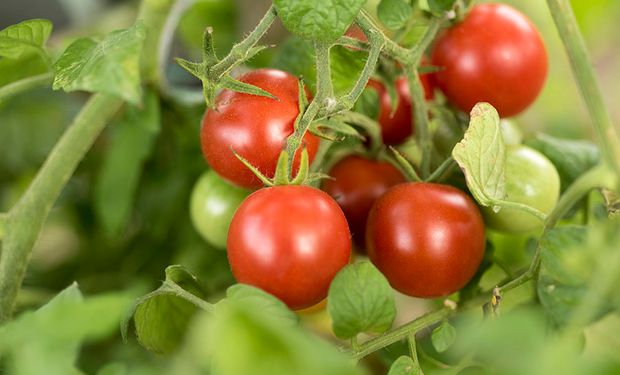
{"x": 196, "y": 301}
{"x": 447, "y": 165}
{"x": 522, "y": 207}
{"x": 413, "y": 349}
{"x": 322, "y": 101}
{"x": 28, "y": 216}
{"x": 401, "y": 332}
{"x": 567, "y": 26}
{"x": 154, "y": 14}
{"x": 25, "y": 84}
{"x": 240, "y": 50}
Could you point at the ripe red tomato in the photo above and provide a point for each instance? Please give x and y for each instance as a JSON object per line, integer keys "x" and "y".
{"x": 396, "y": 127}
{"x": 427, "y": 239}
{"x": 357, "y": 183}
{"x": 495, "y": 55}
{"x": 289, "y": 241}
{"x": 255, "y": 127}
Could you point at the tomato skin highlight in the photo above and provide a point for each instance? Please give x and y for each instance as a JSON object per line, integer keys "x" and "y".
{"x": 531, "y": 179}
{"x": 427, "y": 239}
{"x": 494, "y": 55}
{"x": 395, "y": 128}
{"x": 212, "y": 205}
{"x": 289, "y": 241}
{"x": 255, "y": 127}
{"x": 357, "y": 184}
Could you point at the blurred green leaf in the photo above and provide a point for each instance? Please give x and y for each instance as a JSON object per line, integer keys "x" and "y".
{"x": 571, "y": 158}
{"x": 111, "y": 66}
{"x": 297, "y": 57}
{"x": 404, "y": 365}
{"x": 394, "y": 13}
{"x": 239, "y": 339}
{"x": 324, "y": 22}
{"x": 131, "y": 143}
{"x": 368, "y": 103}
{"x": 262, "y": 301}
{"x": 482, "y": 155}
{"x": 47, "y": 341}
{"x": 437, "y": 7}
{"x": 14, "y": 70}
{"x": 162, "y": 316}
{"x": 360, "y": 300}
{"x": 443, "y": 336}
{"x": 31, "y": 35}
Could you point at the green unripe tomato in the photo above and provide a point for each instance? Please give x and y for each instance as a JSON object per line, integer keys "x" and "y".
{"x": 531, "y": 179}
{"x": 510, "y": 132}
{"x": 212, "y": 206}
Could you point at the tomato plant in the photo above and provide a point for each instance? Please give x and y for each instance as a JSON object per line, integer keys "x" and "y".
{"x": 212, "y": 205}
{"x": 427, "y": 239}
{"x": 530, "y": 179}
{"x": 255, "y": 127}
{"x": 494, "y": 55}
{"x": 357, "y": 182}
{"x": 304, "y": 242}
{"x": 458, "y": 210}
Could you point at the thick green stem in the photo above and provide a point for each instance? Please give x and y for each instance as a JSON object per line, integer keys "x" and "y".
{"x": 27, "y": 217}
{"x": 25, "y": 84}
{"x": 154, "y": 14}
{"x": 402, "y": 332}
{"x": 239, "y": 50}
{"x": 568, "y": 29}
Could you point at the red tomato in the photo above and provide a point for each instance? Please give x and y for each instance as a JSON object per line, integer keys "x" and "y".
{"x": 397, "y": 127}
{"x": 427, "y": 239}
{"x": 357, "y": 183}
{"x": 289, "y": 241}
{"x": 255, "y": 127}
{"x": 354, "y": 31}
{"x": 495, "y": 55}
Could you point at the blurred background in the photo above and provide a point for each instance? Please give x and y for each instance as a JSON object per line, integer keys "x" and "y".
{"x": 125, "y": 239}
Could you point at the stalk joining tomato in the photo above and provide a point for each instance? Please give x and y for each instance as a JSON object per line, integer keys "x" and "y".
{"x": 397, "y": 126}
{"x": 289, "y": 241}
{"x": 494, "y": 55}
{"x": 427, "y": 239}
{"x": 531, "y": 179}
{"x": 255, "y": 127}
{"x": 357, "y": 182}
{"x": 212, "y": 205}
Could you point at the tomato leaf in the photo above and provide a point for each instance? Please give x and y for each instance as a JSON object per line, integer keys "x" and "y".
{"x": 394, "y": 14}
{"x": 296, "y": 56}
{"x": 162, "y": 316}
{"x": 571, "y": 158}
{"x": 262, "y": 301}
{"x": 368, "y": 103}
{"x": 110, "y": 66}
{"x": 27, "y": 36}
{"x": 240, "y": 339}
{"x": 324, "y": 21}
{"x": 404, "y": 365}
{"x": 570, "y": 257}
{"x": 482, "y": 155}
{"x": 437, "y": 7}
{"x": 47, "y": 341}
{"x": 443, "y": 336}
{"x": 360, "y": 300}
{"x": 131, "y": 143}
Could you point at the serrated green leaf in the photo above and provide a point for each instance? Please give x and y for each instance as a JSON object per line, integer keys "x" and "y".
{"x": 404, "y": 365}
{"x": 296, "y": 56}
{"x": 262, "y": 301}
{"x": 360, "y": 299}
{"x": 482, "y": 155}
{"x": 324, "y": 20}
{"x": 443, "y": 336}
{"x": 239, "y": 339}
{"x": 110, "y": 66}
{"x": 24, "y": 37}
{"x": 48, "y": 340}
{"x": 394, "y": 14}
{"x": 571, "y": 158}
{"x": 162, "y": 316}
{"x": 131, "y": 143}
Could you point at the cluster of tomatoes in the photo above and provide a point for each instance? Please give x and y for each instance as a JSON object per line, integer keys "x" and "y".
{"x": 428, "y": 239}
